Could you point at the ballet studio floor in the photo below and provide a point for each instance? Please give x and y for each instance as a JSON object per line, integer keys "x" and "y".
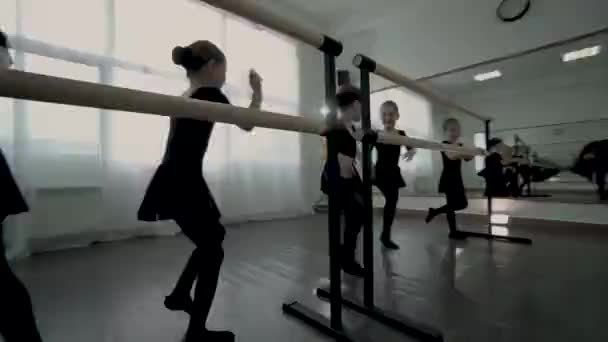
{"x": 474, "y": 291}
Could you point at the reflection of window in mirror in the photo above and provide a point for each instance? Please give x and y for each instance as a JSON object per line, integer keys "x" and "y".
{"x": 479, "y": 139}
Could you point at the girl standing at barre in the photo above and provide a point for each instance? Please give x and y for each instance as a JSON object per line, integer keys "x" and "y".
{"x": 17, "y": 322}
{"x": 387, "y": 173}
{"x": 350, "y": 187}
{"x": 451, "y": 183}
{"x": 178, "y": 190}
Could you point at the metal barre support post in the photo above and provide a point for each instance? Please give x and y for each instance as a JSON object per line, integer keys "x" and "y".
{"x": 368, "y": 215}
{"x": 367, "y": 307}
{"x": 490, "y": 234}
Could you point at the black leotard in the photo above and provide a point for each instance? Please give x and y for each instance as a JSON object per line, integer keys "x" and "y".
{"x": 388, "y": 172}
{"x": 346, "y": 145}
{"x": 178, "y": 189}
{"x": 11, "y": 200}
{"x": 451, "y": 175}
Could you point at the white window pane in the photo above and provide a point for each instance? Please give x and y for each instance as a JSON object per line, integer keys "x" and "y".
{"x": 62, "y": 141}
{"x": 78, "y": 24}
{"x": 263, "y": 144}
{"x": 140, "y": 138}
{"x": 273, "y": 56}
{"x": 480, "y": 141}
{"x": 6, "y": 123}
{"x": 8, "y": 16}
{"x": 147, "y": 31}
{"x": 74, "y": 128}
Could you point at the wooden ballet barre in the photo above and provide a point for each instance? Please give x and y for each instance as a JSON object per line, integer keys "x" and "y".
{"x": 252, "y": 11}
{"x": 394, "y": 139}
{"x": 368, "y": 64}
{"x": 35, "y": 87}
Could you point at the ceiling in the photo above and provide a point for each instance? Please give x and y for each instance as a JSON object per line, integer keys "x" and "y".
{"x": 331, "y": 13}
{"x": 534, "y": 66}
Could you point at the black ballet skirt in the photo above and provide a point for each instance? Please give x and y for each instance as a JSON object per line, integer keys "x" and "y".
{"x": 178, "y": 188}
{"x": 11, "y": 199}
{"x": 450, "y": 181}
{"x": 387, "y": 170}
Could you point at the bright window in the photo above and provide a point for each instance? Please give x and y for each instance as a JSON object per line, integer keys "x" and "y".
{"x": 73, "y": 128}
{"x": 63, "y": 141}
{"x": 6, "y": 122}
{"x": 8, "y": 16}
{"x": 140, "y": 138}
{"x": 275, "y": 59}
{"x": 479, "y": 141}
{"x": 78, "y": 24}
{"x": 147, "y": 31}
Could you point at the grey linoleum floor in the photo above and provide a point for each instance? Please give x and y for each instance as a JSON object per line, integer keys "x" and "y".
{"x": 554, "y": 290}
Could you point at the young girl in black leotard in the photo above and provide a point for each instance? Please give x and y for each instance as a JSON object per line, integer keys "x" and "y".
{"x": 387, "y": 173}
{"x": 450, "y": 183}
{"x": 178, "y": 190}
{"x": 350, "y": 186}
{"x": 592, "y": 163}
{"x": 17, "y": 323}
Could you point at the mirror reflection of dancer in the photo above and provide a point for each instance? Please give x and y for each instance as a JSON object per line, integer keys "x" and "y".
{"x": 496, "y": 171}
{"x": 451, "y": 183}
{"x": 592, "y": 163}
{"x": 17, "y": 322}
{"x": 387, "y": 173}
{"x": 178, "y": 191}
{"x": 350, "y": 187}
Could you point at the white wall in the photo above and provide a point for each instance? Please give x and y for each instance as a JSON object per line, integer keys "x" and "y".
{"x": 355, "y": 43}
{"x": 421, "y": 38}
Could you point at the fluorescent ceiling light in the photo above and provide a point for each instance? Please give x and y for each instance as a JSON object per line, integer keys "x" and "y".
{"x": 582, "y": 53}
{"x": 487, "y": 76}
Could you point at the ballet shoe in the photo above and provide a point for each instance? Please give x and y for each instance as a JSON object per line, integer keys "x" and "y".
{"x": 210, "y": 336}
{"x": 430, "y": 215}
{"x": 175, "y": 302}
{"x": 457, "y": 235}
{"x": 388, "y": 243}
{"x": 353, "y": 268}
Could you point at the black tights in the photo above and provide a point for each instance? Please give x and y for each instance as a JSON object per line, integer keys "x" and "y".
{"x": 17, "y": 322}
{"x": 352, "y": 204}
{"x": 203, "y": 265}
{"x": 454, "y": 202}
{"x": 391, "y": 197}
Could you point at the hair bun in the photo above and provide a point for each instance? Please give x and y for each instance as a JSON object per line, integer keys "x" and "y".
{"x": 181, "y": 55}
